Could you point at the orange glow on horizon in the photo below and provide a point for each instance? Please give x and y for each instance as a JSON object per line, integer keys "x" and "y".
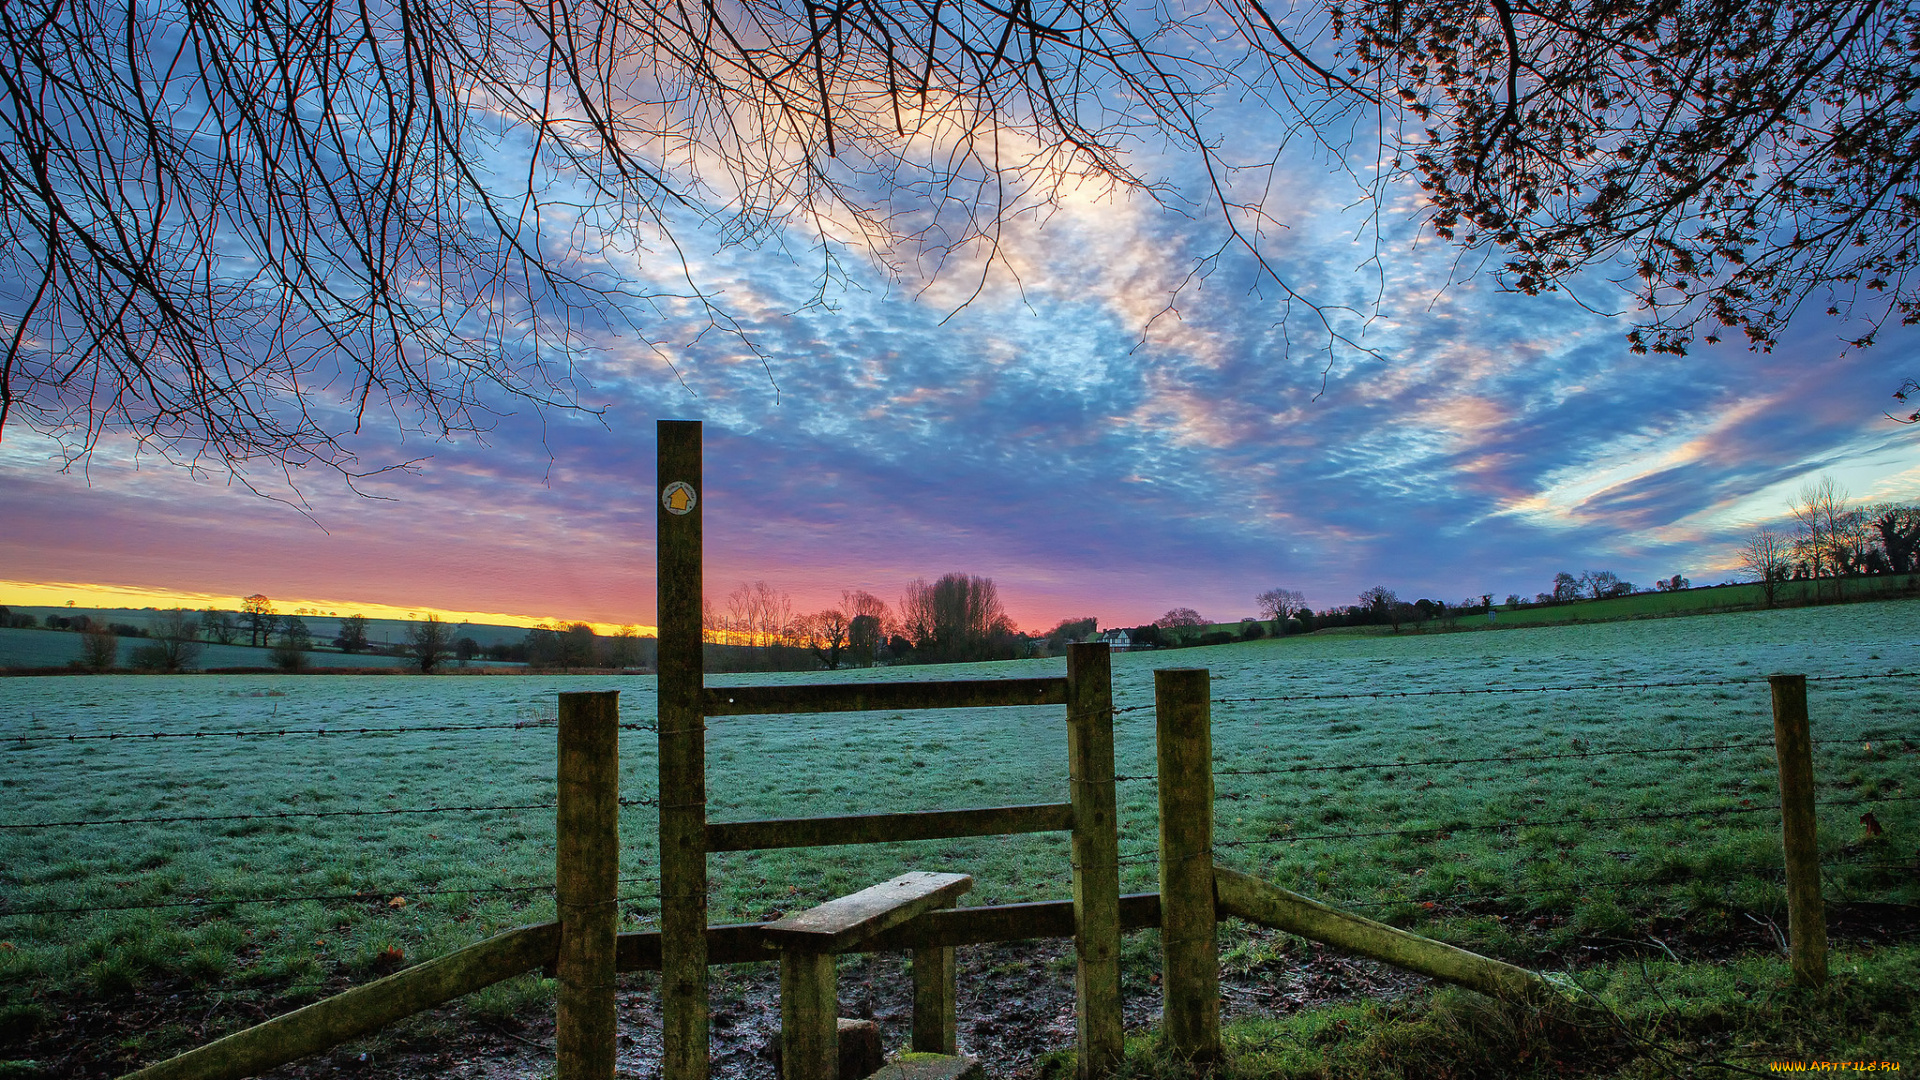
{"x": 85, "y": 596}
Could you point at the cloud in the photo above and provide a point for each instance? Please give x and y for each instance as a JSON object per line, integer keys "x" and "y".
{"x": 1113, "y": 438}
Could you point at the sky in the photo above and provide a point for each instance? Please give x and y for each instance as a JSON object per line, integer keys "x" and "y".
{"x": 1095, "y": 430}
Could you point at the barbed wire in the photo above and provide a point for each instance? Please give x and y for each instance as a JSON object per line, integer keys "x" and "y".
{"x": 1374, "y": 694}
{"x": 1766, "y": 744}
{"x": 1729, "y": 877}
{"x": 1117, "y": 710}
{"x": 376, "y": 895}
{"x": 278, "y": 814}
{"x": 253, "y": 732}
{"x": 256, "y": 732}
{"x": 164, "y": 820}
{"x": 1144, "y": 855}
{"x": 1351, "y": 767}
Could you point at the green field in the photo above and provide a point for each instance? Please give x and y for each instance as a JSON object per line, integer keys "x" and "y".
{"x": 1705, "y": 600}
{"x": 1319, "y": 790}
{"x": 58, "y": 648}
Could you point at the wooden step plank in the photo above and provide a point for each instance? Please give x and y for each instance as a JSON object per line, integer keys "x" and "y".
{"x": 849, "y": 920}
{"x": 885, "y": 828}
{"x": 742, "y": 943}
{"x": 874, "y": 696}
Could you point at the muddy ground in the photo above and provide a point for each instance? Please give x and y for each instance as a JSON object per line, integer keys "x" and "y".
{"x": 1016, "y": 1005}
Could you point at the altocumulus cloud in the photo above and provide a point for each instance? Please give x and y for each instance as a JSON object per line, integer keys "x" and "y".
{"x": 1096, "y": 429}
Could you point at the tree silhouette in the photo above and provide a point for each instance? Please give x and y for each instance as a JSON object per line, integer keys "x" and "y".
{"x": 241, "y": 233}
{"x": 173, "y": 645}
{"x": 261, "y": 620}
{"x": 1764, "y": 559}
{"x": 353, "y": 634}
{"x": 429, "y": 641}
{"x": 956, "y": 618}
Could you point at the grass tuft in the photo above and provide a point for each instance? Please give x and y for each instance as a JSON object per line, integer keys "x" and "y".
{"x": 1630, "y": 1020}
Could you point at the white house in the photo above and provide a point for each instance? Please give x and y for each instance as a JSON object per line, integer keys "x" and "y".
{"x": 1118, "y": 640}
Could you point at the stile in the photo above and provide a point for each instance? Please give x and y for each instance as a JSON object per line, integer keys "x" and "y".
{"x": 683, "y": 762}
{"x": 809, "y": 1013}
{"x": 1096, "y": 859}
{"x": 586, "y": 867}
{"x": 743, "y": 943}
{"x": 1806, "y": 911}
{"x": 1190, "y": 981}
{"x": 887, "y": 828}
{"x": 845, "y": 922}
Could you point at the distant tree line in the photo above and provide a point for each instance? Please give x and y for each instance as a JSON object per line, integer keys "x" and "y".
{"x": 960, "y": 617}
{"x": 955, "y": 619}
{"x": 1830, "y": 540}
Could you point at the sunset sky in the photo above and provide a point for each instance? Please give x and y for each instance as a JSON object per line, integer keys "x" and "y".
{"x": 1051, "y": 434}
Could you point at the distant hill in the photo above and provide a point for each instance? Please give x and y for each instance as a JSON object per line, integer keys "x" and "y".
{"x": 58, "y": 648}
{"x": 41, "y": 648}
{"x": 1703, "y": 600}
{"x": 324, "y": 628}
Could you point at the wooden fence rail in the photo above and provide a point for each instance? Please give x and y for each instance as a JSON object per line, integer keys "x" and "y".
{"x": 887, "y": 828}
{"x": 1195, "y": 894}
{"x": 585, "y": 952}
{"x": 742, "y": 943}
{"x": 876, "y": 696}
{"x": 686, "y": 836}
{"x": 1249, "y": 898}
{"x": 363, "y": 1009}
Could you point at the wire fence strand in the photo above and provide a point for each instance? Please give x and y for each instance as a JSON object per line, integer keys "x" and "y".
{"x": 168, "y": 820}
{"x": 1766, "y": 744}
{"x": 382, "y": 896}
{"x": 1468, "y": 691}
{"x": 1447, "y": 830}
{"x": 129, "y": 736}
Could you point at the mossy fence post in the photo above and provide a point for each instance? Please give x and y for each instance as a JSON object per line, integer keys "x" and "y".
{"x": 683, "y": 756}
{"x": 1190, "y": 969}
{"x": 586, "y": 868}
{"x": 1096, "y": 859}
{"x": 936, "y": 986}
{"x": 1806, "y": 912}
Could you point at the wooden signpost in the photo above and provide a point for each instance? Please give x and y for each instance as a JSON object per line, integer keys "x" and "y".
{"x": 686, "y": 836}
{"x": 909, "y": 913}
{"x": 683, "y": 756}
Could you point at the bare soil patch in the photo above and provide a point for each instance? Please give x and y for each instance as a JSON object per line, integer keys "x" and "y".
{"x": 1016, "y": 1005}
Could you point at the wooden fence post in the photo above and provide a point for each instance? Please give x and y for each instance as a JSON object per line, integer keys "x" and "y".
{"x": 809, "y": 1016}
{"x": 1096, "y": 859}
{"x": 1190, "y": 976}
{"x": 586, "y": 868}
{"x": 936, "y": 1028}
{"x": 683, "y": 756}
{"x": 1793, "y": 747}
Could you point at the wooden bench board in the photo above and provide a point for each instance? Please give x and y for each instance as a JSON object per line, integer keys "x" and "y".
{"x": 849, "y": 920}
